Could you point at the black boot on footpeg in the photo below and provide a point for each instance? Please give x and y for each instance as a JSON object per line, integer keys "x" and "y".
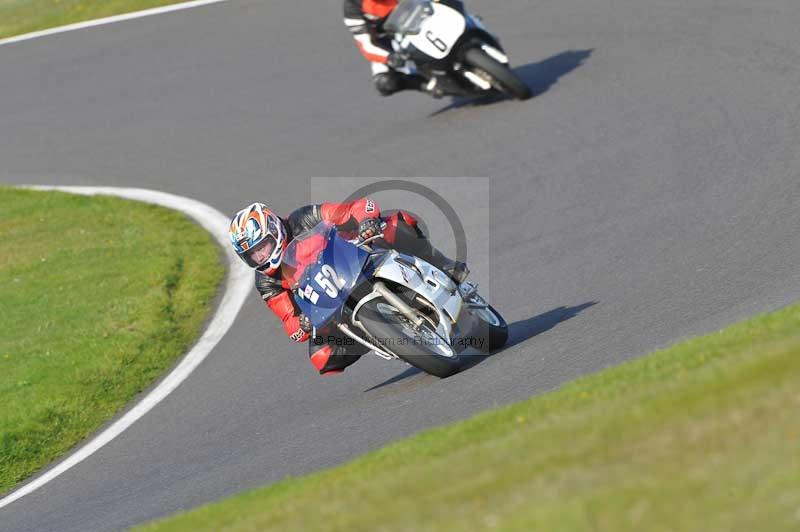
{"x": 458, "y": 272}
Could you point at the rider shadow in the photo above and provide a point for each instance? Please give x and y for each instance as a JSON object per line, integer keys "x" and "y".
{"x": 518, "y": 332}
{"x": 540, "y": 77}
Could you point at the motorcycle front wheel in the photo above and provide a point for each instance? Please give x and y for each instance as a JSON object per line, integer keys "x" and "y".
{"x": 495, "y": 328}
{"x": 420, "y": 346}
{"x": 500, "y": 73}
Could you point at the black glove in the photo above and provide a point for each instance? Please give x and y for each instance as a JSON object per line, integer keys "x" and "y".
{"x": 305, "y": 324}
{"x": 396, "y": 60}
{"x": 369, "y": 228}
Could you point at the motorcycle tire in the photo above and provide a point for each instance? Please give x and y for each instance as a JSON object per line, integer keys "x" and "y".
{"x": 387, "y": 327}
{"x": 497, "y": 334}
{"x": 500, "y": 72}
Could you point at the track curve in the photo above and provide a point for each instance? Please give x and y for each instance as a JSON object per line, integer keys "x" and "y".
{"x": 648, "y": 192}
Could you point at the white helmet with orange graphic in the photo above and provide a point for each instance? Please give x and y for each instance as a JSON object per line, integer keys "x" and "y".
{"x": 258, "y": 236}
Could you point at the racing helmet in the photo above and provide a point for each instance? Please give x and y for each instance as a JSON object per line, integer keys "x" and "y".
{"x": 258, "y": 236}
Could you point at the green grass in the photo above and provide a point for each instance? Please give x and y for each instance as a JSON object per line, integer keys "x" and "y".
{"x": 702, "y": 436}
{"x": 98, "y": 297}
{"x": 23, "y": 16}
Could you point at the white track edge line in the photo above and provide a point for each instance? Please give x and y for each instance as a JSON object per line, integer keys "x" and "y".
{"x": 108, "y": 20}
{"x": 236, "y": 290}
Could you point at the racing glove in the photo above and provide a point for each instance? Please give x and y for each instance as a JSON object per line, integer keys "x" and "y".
{"x": 395, "y": 60}
{"x": 369, "y": 228}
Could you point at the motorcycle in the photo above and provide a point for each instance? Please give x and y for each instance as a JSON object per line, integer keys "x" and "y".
{"x": 446, "y": 44}
{"x": 397, "y": 305}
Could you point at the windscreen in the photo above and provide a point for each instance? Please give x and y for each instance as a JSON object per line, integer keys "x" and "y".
{"x": 304, "y": 250}
{"x": 408, "y": 16}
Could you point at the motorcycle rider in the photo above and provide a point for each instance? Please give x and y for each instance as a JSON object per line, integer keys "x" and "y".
{"x": 364, "y": 19}
{"x": 259, "y": 237}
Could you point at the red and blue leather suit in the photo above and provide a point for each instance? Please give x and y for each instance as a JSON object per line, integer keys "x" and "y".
{"x": 401, "y": 232}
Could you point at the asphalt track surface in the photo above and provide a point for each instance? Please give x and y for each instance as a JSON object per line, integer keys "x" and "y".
{"x": 649, "y": 192}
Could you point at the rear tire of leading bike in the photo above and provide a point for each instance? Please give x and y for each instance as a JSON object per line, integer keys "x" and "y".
{"x": 385, "y": 323}
{"x": 500, "y": 72}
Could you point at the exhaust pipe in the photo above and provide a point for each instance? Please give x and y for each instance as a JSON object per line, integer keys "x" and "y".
{"x": 399, "y": 304}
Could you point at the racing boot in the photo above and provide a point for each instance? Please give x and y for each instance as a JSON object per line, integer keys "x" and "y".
{"x": 458, "y": 271}
{"x": 391, "y": 82}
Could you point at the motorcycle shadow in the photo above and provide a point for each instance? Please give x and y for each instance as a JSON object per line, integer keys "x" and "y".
{"x": 518, "y": 332}
{"x": 539, "y": 76}
{"x": 523, "y": 330}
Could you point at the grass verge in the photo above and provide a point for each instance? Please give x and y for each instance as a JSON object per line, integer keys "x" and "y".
{"x": 24, "y": 16}
{"x": 704, "y": 435}
{"x": 98, "y": 297}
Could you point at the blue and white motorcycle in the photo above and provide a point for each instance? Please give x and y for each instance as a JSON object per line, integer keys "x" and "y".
{"x": 452, "y": 48}
{"x": 399, "y": 306}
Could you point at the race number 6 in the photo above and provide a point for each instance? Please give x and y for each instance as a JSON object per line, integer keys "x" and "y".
{"x": 437, "y": 42}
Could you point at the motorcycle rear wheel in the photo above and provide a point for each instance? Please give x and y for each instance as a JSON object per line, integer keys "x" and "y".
{"x": 501, "y": 73}
{"x": 416, "y": 345}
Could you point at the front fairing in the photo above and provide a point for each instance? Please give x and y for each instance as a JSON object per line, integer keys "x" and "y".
{"x": 323, "y": 285}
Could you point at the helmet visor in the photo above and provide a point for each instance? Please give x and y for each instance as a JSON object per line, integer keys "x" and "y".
{"x": 259, "y": 255}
